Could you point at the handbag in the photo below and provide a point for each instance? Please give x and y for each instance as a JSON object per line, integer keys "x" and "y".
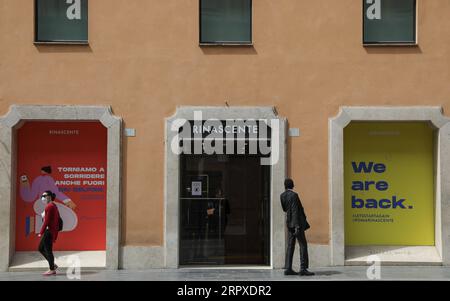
{"x": 60, "y": 224}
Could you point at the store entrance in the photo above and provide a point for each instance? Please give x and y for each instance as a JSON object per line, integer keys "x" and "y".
{"x": 224, "y": 210}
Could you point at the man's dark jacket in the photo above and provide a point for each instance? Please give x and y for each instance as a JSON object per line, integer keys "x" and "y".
{"x": 295, "y": 215}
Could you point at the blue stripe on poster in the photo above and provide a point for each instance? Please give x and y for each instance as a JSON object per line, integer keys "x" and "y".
{"x": 27, "y": 226}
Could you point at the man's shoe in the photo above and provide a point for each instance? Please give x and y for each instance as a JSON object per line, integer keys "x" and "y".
{"x": 306, "y": 273}
{"x": 290, "y": 272}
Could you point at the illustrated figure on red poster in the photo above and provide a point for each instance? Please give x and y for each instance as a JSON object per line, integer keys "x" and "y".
{"x": 45, "y": 182}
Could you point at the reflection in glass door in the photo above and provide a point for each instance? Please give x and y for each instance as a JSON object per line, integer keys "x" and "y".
{"x": 224, "y": 216}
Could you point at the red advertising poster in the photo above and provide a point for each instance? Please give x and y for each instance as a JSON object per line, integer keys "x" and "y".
{"x": 69, "y": 159}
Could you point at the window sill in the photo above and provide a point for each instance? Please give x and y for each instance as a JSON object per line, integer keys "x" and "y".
{"x": 82, "y": 43}
{"x": 219, "y": 44}
{"x": 412, "y": 44}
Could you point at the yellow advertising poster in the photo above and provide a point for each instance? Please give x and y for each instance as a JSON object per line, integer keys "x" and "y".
{"x": 389, "y": 183}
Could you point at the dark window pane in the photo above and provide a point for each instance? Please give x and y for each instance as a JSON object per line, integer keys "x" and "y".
{"x": 61, "y": 20}
{"x": 225, "y": 21}
{"x": 224, "y": 210}
{"x": 389, "y": 21}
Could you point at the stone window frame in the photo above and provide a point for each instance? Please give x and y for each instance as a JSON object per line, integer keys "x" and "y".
{"x": 21, "y": 113}
{"x": 336, "y": 126}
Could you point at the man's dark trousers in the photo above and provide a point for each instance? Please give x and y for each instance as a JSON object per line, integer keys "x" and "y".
{"x": 300, "y": 237}
{"x": 46, "y": 249}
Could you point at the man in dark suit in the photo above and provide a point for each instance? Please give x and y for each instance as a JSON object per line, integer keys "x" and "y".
{"x": 297, "y": 225}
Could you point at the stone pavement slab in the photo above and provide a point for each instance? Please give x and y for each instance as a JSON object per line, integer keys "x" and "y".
{"x": 322, "y": 274}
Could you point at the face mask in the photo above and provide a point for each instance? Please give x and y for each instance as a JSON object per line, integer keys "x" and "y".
{"x": 44, "y": 199}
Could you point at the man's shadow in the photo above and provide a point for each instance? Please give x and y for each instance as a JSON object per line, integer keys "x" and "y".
{"x": 326, "y": 273}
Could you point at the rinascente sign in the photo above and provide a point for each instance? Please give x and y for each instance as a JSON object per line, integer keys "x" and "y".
{"x": 227, "y": 137}
{"x": 241, "y": 128}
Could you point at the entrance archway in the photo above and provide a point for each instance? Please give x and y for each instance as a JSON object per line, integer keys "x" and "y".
{"x": 172, "y": 208}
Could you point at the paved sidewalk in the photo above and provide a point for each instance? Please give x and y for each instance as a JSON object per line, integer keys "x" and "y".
{"x": 326, "y": 273}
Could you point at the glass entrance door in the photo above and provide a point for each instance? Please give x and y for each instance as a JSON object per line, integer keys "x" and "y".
{"x": 224, "y": 210}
